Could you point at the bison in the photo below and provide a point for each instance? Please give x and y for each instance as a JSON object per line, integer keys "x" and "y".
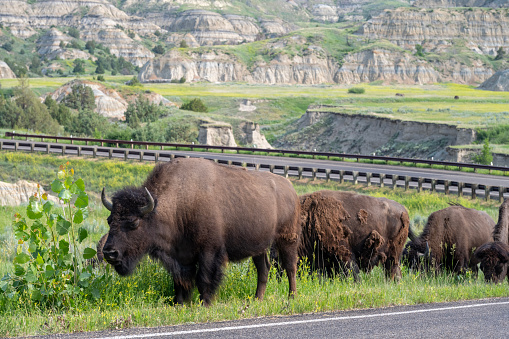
{"x": 494, "y": 256}
{"x": 449, "y": 239}
{"x": 193, "y": 215}
{"x": 345, "y": 231}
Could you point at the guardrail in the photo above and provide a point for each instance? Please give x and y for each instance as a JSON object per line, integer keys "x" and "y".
{"x": 320, "y": 172}
{"x": 193, "y": 147}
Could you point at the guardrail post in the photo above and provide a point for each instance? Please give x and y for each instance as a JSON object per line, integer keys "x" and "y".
{"x": 126, "y": 154}
{"x": 474, "y": 193}
{"x": 460, "y": 189}
{"x": 141, "y": 155}
{"x": 16, "y": 144}
{"x": 94, "y": 152}
{"x": 446, "y": 187}
{"x": 146, "y": 147}
{"x": 63, "y": 150}
{"x": 419, "y": 184}
{"x": 156, "y": 156}
{"x": 501, "y": 194}
{"x": 47, "y": 148}
{"x": 355, "y": 175}
{"x": 110, "y": 153}
{"x": 86, "y": 142}
{"x": 79, "y": 151}
{"x": 300, "y": 173}
{"x": 433, "y": 185}
{"x": 244, "y": 164}
{"x": 394, "y": 181}
{"x": 32, "y": 147}
{"x": 229, "y": 162}
{"x": 341, "y": 176}
{"x": 382, "y": 178}
{"x": 172, "y": 157}
{"x": 327, "y": 175}
{"x": 407, "y": 182}
{"x": 487, "y": 191}
{"x": 117, "y": 144}
{"x": 271, "y": 168}
{"x": 257, "y": 167}
{"x": 1, "y": 145}
{"x": 313, "y": 173}
{"x": 102, "y": 143}
{"x": 368, "y": 179}
{"x": 286, "y": 171}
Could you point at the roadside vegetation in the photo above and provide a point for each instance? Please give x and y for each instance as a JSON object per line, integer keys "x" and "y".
{"x": 145, "y": 298}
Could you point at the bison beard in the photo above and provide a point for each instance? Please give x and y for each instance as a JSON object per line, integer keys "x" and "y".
{"x": 194, "y": 215}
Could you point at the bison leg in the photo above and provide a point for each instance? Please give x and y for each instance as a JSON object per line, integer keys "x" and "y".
{"x": 288, "y": 254}
{"x": 392, "y": 269}
{"x": 262, "y": 265}
{"x": 210, "y": 274}
{"x": 183, "y": 285}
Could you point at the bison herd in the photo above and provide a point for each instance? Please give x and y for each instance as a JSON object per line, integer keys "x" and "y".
{"x": 194, "y": 215}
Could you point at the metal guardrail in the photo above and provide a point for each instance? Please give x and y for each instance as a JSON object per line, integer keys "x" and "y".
{"x": 319, "y": 172}
{"x": 193, "y": 147}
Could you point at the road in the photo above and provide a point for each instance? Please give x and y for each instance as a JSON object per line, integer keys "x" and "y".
{"x": 466, "y": 319}
{"x": 427, "y": 173}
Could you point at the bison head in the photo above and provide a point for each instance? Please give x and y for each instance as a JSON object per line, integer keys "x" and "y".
{"x": 416, "y": 253}
{"x": 493, "y": 257}
{"x": 129, "y": 237}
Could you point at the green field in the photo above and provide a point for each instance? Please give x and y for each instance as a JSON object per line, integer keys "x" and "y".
{"x": 144, "y": 299}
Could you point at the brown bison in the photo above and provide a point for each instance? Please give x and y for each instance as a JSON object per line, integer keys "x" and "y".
{"x": 193, "y": 215}
{"x": 495, "y": 255}
{"x": 449, "y": 239}
{"x": 344, "y": 231}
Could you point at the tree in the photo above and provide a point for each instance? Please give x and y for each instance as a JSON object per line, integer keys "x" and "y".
{"x": 195, "y": 105}
{"x": 7, "y": 46}
{"x": 158, "y": 49}
{"x": 485, "y": 157}
{"x": 90, "y": 46}
{"x": 419, "y": 50}
{"x": 500, "y": 54}
{"x": 99, "y": 69}
{"x": 80, "y": 98}
{"x": 74, "y": 32}
{"x": 183, "y": 44}
{"x": 79, "y": 66}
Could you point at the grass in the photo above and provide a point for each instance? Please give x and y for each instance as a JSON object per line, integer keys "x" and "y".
{"x": 144, "y": 299}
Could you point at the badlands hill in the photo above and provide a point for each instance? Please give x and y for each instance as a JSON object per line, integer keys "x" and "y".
{"x": 276, "y": 42}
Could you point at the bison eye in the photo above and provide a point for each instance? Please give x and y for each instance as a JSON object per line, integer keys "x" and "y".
{"x": 132, "y": 224}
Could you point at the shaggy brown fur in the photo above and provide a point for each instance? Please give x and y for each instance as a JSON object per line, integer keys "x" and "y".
{"x": 452, "y": 234}
{"x": 494, "y": 255}
{"x": 344, "y": 231}
{"x": 204, "y": 215}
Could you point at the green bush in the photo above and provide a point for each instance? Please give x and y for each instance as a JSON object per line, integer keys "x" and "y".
{"x": 356, "y": 90}
{"x": 195, "y": 105}
{"x": 48, "y": 267}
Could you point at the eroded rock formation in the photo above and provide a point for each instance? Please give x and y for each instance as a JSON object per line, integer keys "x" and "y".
{"x": 5, "y": 71}
{"x": 498, "y": 82}
{"x": 216, "y": 134}
{"x": 20, "y": 193}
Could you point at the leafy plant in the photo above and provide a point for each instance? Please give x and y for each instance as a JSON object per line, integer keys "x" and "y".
{"x": 485, "y": 157}
{"x": 49, "y": 268}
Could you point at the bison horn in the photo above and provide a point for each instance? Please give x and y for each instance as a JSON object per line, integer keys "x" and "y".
{"x": 106, "y": 203}
{"x": 150, "y": 206}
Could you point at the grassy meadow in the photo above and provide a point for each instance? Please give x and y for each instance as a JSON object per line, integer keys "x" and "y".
{"x": 145, "y": 298}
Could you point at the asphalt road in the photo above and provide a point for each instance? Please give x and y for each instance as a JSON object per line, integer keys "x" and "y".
{"x": 468, "y": 319}
{"x": 465, "y": 177}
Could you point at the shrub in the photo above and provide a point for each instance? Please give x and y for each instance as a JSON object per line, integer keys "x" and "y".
{"x": 49, "y": 268}
{"x": 356, "y": 90}
{"x": 134, "y": 82}
{"x": 158, "y": 49}
{"x": 485, "y": 158}
{"x": 100, "y": 78}
{"x": 183, "y": 44}
{"x": 195, "y": 105}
